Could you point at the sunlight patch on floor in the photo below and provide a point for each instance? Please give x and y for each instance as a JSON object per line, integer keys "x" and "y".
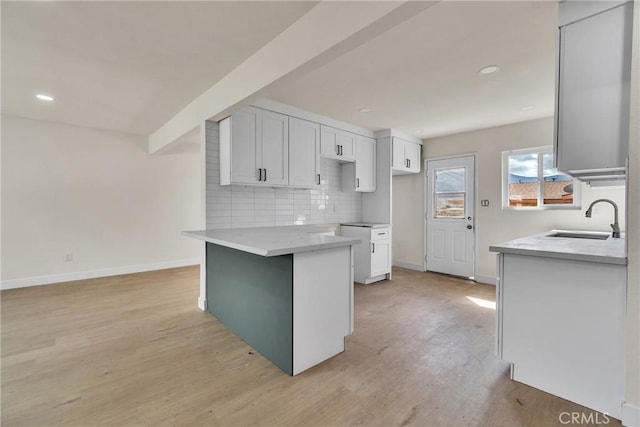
{"x": 483, "y": 302}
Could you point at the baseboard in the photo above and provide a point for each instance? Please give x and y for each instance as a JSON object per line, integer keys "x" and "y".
{"x": 630, "y": 415}
{"x": 408, "y": 266}
{"x": 486, "y": 279}
{"x": 202, "y": 303}
{"x": 106, "y": 272}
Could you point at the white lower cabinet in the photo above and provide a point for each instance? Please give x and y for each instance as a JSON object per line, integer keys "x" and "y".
{"x": 561, "y": 322}
{"x": 373, "y": 255}
{"x": 380, "y": 257}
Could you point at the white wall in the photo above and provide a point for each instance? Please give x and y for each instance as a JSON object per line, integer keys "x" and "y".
{"x": 96, "y": 194}
{"x": 234, "y": 206}
{"x": 493, "y": 224}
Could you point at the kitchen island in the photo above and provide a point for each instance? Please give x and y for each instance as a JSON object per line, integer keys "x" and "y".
{"x": 286, "y": 291}
{"x": 560, "y": 313}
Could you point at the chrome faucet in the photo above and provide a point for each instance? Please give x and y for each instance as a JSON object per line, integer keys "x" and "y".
{"x": 615, "y": 225}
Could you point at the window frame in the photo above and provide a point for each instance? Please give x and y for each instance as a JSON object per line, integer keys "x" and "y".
{"x": 464, "y": 192}
{"x": 539, "y": 151}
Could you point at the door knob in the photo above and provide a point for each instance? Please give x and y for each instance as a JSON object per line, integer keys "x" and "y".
{"x": 469, "y": 227}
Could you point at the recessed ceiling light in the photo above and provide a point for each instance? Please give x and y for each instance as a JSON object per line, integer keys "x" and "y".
{"x": 365, "y": 110}
{"x": 43, "y": 97}
{"x": 489, "y": 69}
{"x": 417, "y": 130}
{"x": 528, "y": 107}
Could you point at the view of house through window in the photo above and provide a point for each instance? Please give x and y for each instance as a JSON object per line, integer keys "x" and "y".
{"x": 530, "y": 180}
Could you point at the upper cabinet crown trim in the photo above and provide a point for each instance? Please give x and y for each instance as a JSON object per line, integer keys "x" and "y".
{"x": 394, "y": 133}
{"x": 292, "y": 111}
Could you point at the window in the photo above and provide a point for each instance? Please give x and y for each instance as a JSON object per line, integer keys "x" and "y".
{"x": 449, "y": 193}
{"x": 529, "y": 181}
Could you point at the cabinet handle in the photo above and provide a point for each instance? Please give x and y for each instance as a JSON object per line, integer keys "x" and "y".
{"x": 373, "y": 245}
{"x": 318, "y": 179}
{"x": 340, "y": 149}
{"x": 409, "y": 161}
{"x": 357, "y": 182}
{"x": 259, "y": 174}
{"x": 337, "y": 150}
{"x": 265, "y": 175}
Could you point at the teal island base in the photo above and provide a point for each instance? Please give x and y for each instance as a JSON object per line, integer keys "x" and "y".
{"x": 294, "y": 309}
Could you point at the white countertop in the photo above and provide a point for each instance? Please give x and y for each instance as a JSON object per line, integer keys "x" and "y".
{"x": 365, "y": 224}
{"x": 610, "y": 251}
{"x": 274, "y": 241}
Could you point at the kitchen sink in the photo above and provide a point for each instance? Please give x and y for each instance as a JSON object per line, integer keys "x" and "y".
{"x": 578, "y": 235}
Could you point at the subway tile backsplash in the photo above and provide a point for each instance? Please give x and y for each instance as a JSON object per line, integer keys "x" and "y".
{"x": 237, "y": 206}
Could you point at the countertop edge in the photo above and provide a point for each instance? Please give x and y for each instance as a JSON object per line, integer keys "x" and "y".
{"x": 603, "y": 259}
{"x": 343, "y": 241}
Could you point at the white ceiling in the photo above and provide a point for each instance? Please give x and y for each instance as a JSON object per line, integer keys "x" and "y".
{"x": 127, "y": 66}
{"x": 423, "y": 74}
{"x": 130, "y": 66}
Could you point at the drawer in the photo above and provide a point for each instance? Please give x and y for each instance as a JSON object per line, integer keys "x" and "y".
{"x": 380, "y": 233}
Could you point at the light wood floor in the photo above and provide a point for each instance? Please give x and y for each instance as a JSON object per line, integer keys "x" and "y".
{"x": 135, "y": 350}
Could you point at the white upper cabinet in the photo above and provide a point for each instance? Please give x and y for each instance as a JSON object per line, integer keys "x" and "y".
{"x": 413, "y": 154}
{"x": 304, "y": 153}
{"x": 275, "y": 148}
{"x": 347, "y": 146}
{"x": 245, "y": 129}
{"x": 593, "y": 88}
{"x": 365, "y": 164}
{"x": 337, "y": 144}
{"x": 259, "y": 146}
{"x": 329, "y": 141}
{"x": 406, "y": 156}
{"x": 254, "y": 148}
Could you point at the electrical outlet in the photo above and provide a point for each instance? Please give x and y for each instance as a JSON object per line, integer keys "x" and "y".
{"x": 68, "y": 257}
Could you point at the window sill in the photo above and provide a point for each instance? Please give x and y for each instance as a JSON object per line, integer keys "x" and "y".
{"x": 542, "y": 208}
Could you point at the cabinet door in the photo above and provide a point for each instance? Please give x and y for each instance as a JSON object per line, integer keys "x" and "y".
{"x": 593, "y": 91}
{"x": 365, "y": 164}
{"x": 347, "y": 144}
{"x": 246, "y": 129}
{"x": 412, "y": 153}
{"x": 304, "y": 156}
{"x": 380, "y": 257}
{"x": 274, "y": 150}
{"x": 329, "y": 141}
{"x": 399, "y": 160}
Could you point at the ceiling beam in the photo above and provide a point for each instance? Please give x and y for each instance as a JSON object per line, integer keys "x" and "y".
{"x": 328, "y": 30}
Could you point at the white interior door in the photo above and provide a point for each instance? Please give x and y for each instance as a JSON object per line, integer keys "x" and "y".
{"x": 450, "y": 230}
